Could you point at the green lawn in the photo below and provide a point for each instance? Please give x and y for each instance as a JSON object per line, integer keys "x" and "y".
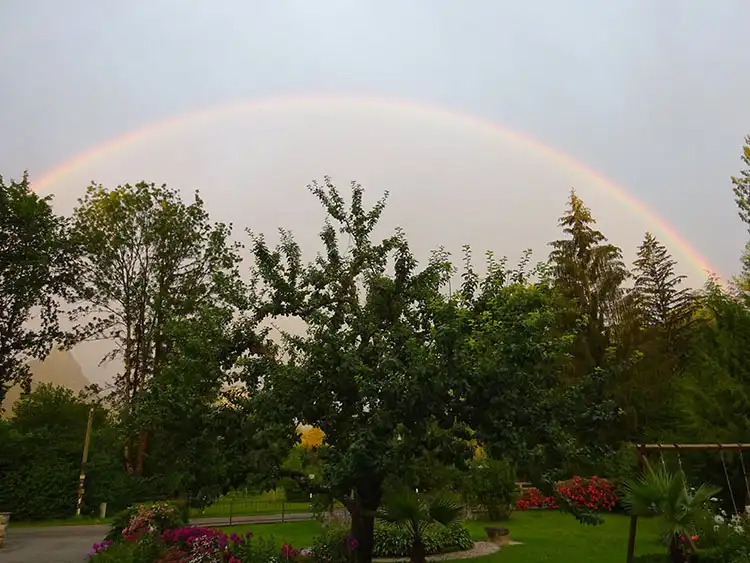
{"x": 234, "y": 504}
{"x": 72, "y": 521}
{"x": 546, "y": 536}
{"x": 249, "y": 507}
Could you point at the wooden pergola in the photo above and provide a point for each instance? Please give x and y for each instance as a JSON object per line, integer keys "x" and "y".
{"x": 643, "y": 451}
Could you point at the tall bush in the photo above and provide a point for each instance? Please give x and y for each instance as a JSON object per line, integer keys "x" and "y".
{"x": 491, "y": 485}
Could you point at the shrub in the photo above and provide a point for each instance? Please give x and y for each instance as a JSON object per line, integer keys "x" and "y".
{"x": 392, "y": 541}
{"x": 533, "y": 498}
{"x": 593, "y": 493}
{"x": 147, "y": 549}
{"x": 491, "y": 484}
{"x": 145, "y": 518}
{"x": 334, "y": 545}
{"x": 190, "y": 544}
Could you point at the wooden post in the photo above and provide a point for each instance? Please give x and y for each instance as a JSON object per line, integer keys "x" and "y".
{"x": 84, "y": 459}
{"x": 634, "y": 519}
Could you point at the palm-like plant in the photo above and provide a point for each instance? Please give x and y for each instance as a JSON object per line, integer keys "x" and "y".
{"x": 663, "y": 494}
{"x": 414, "y": 513}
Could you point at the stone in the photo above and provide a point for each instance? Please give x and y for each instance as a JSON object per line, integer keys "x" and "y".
{"x": 498, "y": 536}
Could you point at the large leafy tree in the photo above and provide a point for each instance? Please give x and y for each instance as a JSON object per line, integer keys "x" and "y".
{"x": 511, "y": 355}
{"x": 515, "y": 348}
{"x": 365, "y": 369}
{"x": 189, "y": 411}
{"x": 146, "y": 258}
{"x": 34, "y": 271}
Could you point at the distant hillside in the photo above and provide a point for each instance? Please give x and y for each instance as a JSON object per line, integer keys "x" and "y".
{"x": 59, "y": 368}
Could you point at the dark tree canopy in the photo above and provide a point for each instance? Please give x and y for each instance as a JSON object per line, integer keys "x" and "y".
{"x": 34, "y": 273}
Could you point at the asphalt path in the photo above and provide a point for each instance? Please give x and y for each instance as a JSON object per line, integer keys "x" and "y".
{"x": 69, "y": 544}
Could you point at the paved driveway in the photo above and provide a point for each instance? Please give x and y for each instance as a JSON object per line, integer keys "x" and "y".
{"x": 63, "y": 544}
{"x": 69, "y": 544}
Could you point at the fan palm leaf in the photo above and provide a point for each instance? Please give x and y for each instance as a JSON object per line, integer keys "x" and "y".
{"x": 664, "y": 494}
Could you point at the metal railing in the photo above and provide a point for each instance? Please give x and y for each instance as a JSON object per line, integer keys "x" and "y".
{"x": 239, "y": 509}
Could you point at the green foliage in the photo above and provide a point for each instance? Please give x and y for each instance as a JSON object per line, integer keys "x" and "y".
{"x": 589, "y": 272}
{"x": 42, "y": 453}
{"x": 491, "y": 484}
{"x": 257, "y": 550}
{"x": 34, "y": 272}
{"x": 666, "y": 495}
{"x": 147, "y": 261}
{"x": 147, "y": 550}
{"x": 364, "y": 372}
{"x": 415, "y": 514}
{"x": 333, "y": 546}
{"x": 395, "y": 541}
{"x": 146, "y": 517}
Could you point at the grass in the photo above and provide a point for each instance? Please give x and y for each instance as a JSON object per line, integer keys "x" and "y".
{"x": 233, "y": 504}
{"x": 249, "y": 507}
{"x": 72, "y": 521}
{"x": 298, "y": 534}
{"x": 546, "y": 536}
{"x": 240, "y": 503}
{"x": 552, "y": 536}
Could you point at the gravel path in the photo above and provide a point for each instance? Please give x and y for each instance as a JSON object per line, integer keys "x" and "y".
{"x": 480, "y": 549}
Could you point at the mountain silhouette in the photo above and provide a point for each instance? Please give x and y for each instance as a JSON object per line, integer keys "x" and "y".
{"x": 59, "y": 368}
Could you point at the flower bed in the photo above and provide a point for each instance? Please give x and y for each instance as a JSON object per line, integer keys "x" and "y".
{"x": 192, "y": 545}
{"x": 149, "y": 536}
{"x": 593, "y": 493}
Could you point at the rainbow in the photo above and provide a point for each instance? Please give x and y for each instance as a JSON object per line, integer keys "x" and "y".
{"x": 116, "y": 144}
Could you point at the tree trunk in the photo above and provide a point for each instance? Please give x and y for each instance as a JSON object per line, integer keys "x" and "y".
{"x": 676, "y": 554}
{"x": 362, "y": 509}
{"x": 418, "y": 554}
{"x": 142, "y": 445}
{"x": 128, "y": 459}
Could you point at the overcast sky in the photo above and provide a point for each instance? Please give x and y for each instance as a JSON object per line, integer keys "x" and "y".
{"x": 654, "y": 95}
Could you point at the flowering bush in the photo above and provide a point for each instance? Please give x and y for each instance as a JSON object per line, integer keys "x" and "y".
{"x": 145, "y": 518}
{"x": 533, "y": 498}
{"x": 190, "y": 544}
{"x": 725, "y": 538}
{"x": 593, "y": 493}
{"x": 99, "y": 548}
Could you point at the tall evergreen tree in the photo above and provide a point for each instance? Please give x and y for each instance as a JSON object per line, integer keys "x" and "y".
{"x": 662, "y": 316}
{"x": 589, "y": 271}
{"x": 662, "y": 302}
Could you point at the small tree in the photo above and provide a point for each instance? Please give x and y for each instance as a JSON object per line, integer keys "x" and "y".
{"x": 368, "y": 369}
{"x": 661, "y": 494}
{"x": 491, "y": 483}
{"x": 414, "y": 514}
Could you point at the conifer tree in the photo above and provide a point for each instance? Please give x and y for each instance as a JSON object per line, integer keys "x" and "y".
{"x": 662, "y": 302}
{"x": 589, "y": 271}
